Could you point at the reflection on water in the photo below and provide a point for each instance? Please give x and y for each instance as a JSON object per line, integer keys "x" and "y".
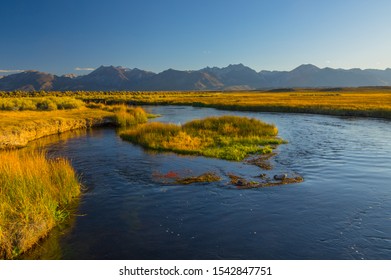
{"x": 50, "y": 247}
{"x": 341, "y": 210}
{"x": 57, "y": 138}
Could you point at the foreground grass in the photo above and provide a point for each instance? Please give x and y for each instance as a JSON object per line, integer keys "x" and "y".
{"x": 227, "y": 137}
{"x": 35, "y": 193}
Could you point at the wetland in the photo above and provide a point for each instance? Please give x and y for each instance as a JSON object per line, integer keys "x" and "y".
{"x": 134, "y": 209}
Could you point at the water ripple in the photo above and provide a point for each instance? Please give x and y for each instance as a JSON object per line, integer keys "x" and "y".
{"x": 340, "y": 211}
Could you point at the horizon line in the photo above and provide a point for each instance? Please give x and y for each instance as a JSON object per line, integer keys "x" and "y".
{"x": 91, "y": 69}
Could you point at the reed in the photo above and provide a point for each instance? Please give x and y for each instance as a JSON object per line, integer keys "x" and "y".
{"x": 125, "y": 116}
{"x": 35, "y": 194}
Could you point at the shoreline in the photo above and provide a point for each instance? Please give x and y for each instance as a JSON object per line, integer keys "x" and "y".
{"x": 375, "y": 114}
{"x": 18, "y": 128}
{"x": 32, "y": 131}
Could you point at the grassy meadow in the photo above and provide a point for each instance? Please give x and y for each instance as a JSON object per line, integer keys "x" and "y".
{"x": 35, "y": 195}
{"x": 226, "y": 137}
{"x": 365, "y": 102}
{"x": 361, "y": 102}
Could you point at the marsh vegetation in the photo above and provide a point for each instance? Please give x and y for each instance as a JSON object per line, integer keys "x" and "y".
{"x": 363, "y": 102}
{"x": 18, "y": 127}
{"x": 35, "y": 195}
{"x": 226, "y": 137}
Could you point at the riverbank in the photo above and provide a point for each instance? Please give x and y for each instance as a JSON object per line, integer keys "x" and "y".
{"x": 374, "y": 103}
{"x": 36, "y": 194}
{"x": 18, "y": 128}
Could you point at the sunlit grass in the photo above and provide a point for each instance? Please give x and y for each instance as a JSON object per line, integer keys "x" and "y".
{"x": 34, "y": 196}
{"x": 125, "y": 116}
{"x": 17, "y": 128}
{"x": 227, "y": 137}
{"x": 39, "y": 103}
{"x": 363, "y": 102}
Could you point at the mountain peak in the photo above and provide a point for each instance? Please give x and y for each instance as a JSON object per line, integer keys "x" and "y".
{"x": 70, "y": 75}
{"x": 306, "y": 68}
{"x": 110, "y": 67}
{"x": 239, "y": 66}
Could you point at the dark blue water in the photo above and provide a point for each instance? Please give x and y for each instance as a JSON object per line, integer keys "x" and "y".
{"x": 341, "y": 211}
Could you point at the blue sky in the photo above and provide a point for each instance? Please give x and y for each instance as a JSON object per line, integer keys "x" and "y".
{"x": 67, "y": 36}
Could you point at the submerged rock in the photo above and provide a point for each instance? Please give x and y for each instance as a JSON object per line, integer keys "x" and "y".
{"x": 280, "y": 177}
{"x": 207, "y": 177}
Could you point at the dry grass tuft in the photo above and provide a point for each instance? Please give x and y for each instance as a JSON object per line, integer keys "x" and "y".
{"x": 34, "y": 194}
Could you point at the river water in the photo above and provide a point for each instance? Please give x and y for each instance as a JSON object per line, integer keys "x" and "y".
{"x": 342, "y": 210}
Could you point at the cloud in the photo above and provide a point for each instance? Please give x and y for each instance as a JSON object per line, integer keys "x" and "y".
{"x": 10, "y": 71}
{"x": 84, "y": 69}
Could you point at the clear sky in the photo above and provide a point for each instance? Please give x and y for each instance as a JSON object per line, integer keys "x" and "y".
{"x": 67, "y": 36}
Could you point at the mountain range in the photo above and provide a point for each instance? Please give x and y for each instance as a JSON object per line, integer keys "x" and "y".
{"x": 232, "y": 77}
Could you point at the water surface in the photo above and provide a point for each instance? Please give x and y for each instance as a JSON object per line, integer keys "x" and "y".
{"x": 341, "y": 211}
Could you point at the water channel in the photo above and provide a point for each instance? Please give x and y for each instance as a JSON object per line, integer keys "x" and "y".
{"x": 342, "y": 210}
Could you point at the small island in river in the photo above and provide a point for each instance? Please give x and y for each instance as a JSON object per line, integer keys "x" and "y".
{"x": 226, "y": 137}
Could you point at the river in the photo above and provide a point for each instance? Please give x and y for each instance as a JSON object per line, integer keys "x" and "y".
{"x": 342, "y": 210}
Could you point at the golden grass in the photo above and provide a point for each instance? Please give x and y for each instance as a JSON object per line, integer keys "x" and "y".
{"x": 34, "y": 195}
{"x": 352, "y": 104}
{"x": 226, "y": 137}
{"x": 17, "y": 128}
{"x": 39, "y": 103}
{"x": 365, "y": 102}
{"x": 125, "y": 116}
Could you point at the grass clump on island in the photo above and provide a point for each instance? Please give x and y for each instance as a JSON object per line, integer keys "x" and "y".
{"x": 35, "y": 195}
{"x": 226, "y": 137}
{"x": 125, "y": 116}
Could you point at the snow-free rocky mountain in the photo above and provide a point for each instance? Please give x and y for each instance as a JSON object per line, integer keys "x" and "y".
{"x": 232, "y": 77}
